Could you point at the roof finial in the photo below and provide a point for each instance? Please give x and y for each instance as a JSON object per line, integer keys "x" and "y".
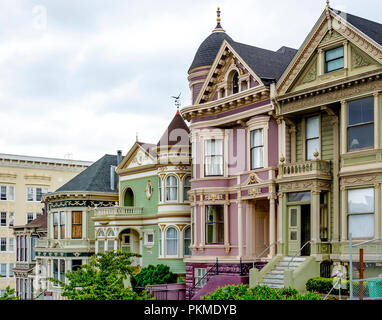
{"x": 327, "y": 5}
{"x": 136, "y": 136}
{"x": 218, "y": 26}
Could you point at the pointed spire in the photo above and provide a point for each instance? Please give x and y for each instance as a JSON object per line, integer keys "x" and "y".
{"x": 218, "y": 27}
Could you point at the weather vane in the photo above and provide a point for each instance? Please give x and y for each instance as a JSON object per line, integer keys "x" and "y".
{"x": 177, "y": 101}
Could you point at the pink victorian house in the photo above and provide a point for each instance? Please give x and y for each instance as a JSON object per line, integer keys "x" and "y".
{"x": 235, "y": 154}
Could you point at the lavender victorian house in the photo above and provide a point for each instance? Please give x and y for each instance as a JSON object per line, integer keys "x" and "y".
{"x": 234, "y": 135}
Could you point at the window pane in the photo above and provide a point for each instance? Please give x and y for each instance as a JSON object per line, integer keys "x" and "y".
{"x": 257, "y": 138}
{"x": 293, "y": 217}
{"x": 334, "y": 53}
{"x": 361, "y": 226}
{"x": 101, "y": 245}
{"x": 312, "y": 128}
{"x": 3, "y": 193}
{"x": 38, "y": 194}
{"x": 361, "y": 201}
{"x": 76, "y": 264}
{"x": 257, "y": 158}
{"x": 361, "y": 111}
{"x": 171, "y": 242}
{"x": 298, "y": 196}
{"x": 311, "y": 147}
{"x": 187, "y": 241}
{"x": 215, "y": 224}
{"x": 62, "y": 270}
{"x": 361, "y": 137}
{"x": 11, "y": 193}
{"x": 335, "y": 65}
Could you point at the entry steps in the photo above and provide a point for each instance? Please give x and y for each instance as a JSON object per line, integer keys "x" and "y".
{"x": 275, "y": 278}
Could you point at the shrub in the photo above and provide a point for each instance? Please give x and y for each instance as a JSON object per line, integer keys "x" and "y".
{"x": 242, "y": 292}
{"x": 159, "y": 274}
{"x": 324, "y": 285}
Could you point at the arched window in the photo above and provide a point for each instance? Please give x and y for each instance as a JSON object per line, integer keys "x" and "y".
{"x": 110, "y": 241}
{"x": 186, "y": 187}
{"x": 171, "y": 242}
{"x": 101, "y": 241}
{"x": 101, "y": 234}
{"x": 129, "y": 198}
{"x": 235, "y": 83}
{"x": 171, "y": 188}
{"x": 187, "y": 241}
{"x": 111, "y": 233}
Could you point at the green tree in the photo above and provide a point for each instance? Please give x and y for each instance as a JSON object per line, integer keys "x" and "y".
{"x": 159, "y": 274}
{"x": 9, "y": 294}
{"x": 102, "y": 279}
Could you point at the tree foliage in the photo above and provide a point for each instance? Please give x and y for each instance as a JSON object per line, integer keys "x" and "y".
{"x": 159, "y": 274}
{"x": 242, "y": 292}
{"x": 9, "y": 294}
{"x": 102, "y": 279}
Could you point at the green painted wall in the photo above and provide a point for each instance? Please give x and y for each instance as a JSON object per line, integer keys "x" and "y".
{"x": 150, "y": 207}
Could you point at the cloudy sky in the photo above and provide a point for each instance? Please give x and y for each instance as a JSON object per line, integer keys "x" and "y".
{"x": 79, "y": 78}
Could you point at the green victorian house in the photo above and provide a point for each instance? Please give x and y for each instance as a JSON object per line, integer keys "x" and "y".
{"x": 70, "y": 228}
{"x": 329, "y": 111}
{"x": 153, "y": 214}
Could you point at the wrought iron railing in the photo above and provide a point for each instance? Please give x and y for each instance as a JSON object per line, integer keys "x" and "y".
{"x": 202, "y": 279}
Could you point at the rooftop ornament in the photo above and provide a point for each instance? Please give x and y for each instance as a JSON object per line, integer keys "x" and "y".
{"x": 218, "y": 27}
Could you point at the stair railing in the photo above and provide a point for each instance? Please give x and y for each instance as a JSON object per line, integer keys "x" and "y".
{"x": 298, "y": 252}
{"x": 264, "y": 251}
{"x": 191, "y": 290}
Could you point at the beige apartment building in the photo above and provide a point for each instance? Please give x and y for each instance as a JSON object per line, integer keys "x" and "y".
{"x": 23, "y": 181}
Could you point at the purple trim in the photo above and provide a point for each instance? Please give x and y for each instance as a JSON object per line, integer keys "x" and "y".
{"x": 231, "y": 112}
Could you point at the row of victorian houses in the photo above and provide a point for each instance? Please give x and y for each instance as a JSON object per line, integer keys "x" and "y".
{"x": 282, "y": 158}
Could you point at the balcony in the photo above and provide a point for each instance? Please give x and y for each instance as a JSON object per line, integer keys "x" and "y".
{"x": 308, "y": 169}
{"x": 117, "y": 212}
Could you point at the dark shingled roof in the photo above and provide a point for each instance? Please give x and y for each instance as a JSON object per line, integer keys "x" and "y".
{"x": 209, "y": 48}
{"x": 177, "y": 129}
{"x": 268, "y": 65}
{"x": 368, "y": 27}
{"x": 95, "y": 178}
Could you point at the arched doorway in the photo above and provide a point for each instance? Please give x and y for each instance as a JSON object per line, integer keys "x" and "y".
{"x": 128, "y": 241}
{"x": 128, "y": 198}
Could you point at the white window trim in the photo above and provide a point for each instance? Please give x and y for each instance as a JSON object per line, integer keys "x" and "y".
{"x": 209, "y": 134}
{"x": 177, "y": 191}
{"x": 177, "y": 255}
{"x": 261, "y": 122}
{"x": 148, "y": 244}
{"x": 183, "y": 187}
{"x": 304, "y": 136}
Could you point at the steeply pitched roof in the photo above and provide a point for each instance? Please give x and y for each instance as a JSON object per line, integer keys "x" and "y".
{"x": 208, "y": 50}
{"x": 177, "y": 129}
{"x": 268, "y": 65}
{"x": 95, "y": 178}
{"x": 368, "y": 27}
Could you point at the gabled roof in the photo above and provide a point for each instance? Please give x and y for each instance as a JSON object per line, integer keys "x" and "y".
{"x": 370, "y": 28}
{"x": 177, "y": 129}
{"x": 95, "y": 178}
{"x": 268, "y": 65}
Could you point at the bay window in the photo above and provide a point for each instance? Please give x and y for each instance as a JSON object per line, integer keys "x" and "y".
{"x": 187, "y": 241}
{"x": 257, "y": 149}
{"x": 186, "y": 187}
{"x": 361, "y": 124}
{"x": 171, "y": 242}
{"x": 361, "y": 213}
{"x": 76, "y": 224}
{"x": 215, "y": 224}
{"x": 171, "y": 188}
{"x": 213, "y": 157}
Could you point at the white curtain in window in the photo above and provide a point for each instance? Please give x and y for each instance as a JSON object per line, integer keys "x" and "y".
{"x": 171, "y": 242}
{"x": 213, "y": 157}
{"x": 172, "y": 188}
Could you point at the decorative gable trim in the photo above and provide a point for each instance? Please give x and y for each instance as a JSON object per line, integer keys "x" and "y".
{"x": 131, "y": 157}
{"x": 337, "y": 28}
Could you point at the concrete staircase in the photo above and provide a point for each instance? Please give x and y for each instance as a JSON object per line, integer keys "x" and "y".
{"x": 275, "y": 278}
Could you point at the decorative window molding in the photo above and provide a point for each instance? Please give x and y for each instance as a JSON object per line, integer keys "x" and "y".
{"x": 171, "y": 188}
{"x": 261, "y": 122}
{"x": 149, "y": 190}
{"x": 149, "y": 238}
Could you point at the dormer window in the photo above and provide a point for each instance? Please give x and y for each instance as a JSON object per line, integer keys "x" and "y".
{"x": 235, "y": 83}
{"x": 334, "y": 59}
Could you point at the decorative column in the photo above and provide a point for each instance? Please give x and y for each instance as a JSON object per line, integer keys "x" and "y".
{"x": 377, "y": 122}
{"x": 336, "y": 182}
{"x": 344, "y": 225}
{"x": 292, "y": 132}
{"x": 226, "y": 227}
{"x": 202, "y": 224}
{"x": 248, "y": 229}
{"x": 320, "y": 66}
{"x": 240, "y": 227}
{"x": 343, "y": 140}
{"x": 315, "y": 219}
{"x": 346, "y": 55}
{"x": 272, "y": 224}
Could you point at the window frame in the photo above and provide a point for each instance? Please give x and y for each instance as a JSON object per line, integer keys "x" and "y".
{"x": 261, "y": 122}
{"x": 326, "y": 61}
{"x": 176, "y": 239}
{"x": 167, "y": 186}
{"x": 220, "y": 222}
{"x": 79, "y": 225}
{"x": 318, "y": 116}
{"x": 2, "y": 214}
{"x": 213, "y": 156}
{"x": 256, "y": 147}
{"x": 30, "y": 192}
{"x": 198, "y": 275}
{"x": 186, "y": 187}
{"x": 187, "y": 248}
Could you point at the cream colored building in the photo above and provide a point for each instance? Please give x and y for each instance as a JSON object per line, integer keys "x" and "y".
{"x": 23, "y": 180}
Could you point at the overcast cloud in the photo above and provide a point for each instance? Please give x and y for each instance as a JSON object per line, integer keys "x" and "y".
{"x": 82, "y": 77}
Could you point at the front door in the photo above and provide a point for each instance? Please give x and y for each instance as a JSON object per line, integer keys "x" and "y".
{"x": 294, "y": 234}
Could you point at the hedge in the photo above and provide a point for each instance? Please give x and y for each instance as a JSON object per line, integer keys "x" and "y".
{"x": 324, "y": 285}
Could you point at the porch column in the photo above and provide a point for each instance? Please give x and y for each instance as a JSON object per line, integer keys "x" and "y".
{"x": 344, "y": 226}
{"x": 292, "y": 132}
{"x": 272, "y": 225}
{"x": 343, "y": 135}
{"x": 280, "y": 219}
{"x": 315, "y": 217}
{"x": 336, "y": 183}
{"x": 248, "y": 229}
{"x": 240, "y": 227}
